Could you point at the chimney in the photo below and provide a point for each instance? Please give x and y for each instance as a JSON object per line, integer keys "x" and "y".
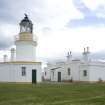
{"x": 70, "y": 52}
{"x": 12, "y": 54}
{"x": 5, "y": 58}
{"x": 87, "y": 49}
{"x": 69, "y": 56}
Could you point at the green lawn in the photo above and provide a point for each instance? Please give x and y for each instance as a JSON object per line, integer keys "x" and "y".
{"x": 52, "y": 94}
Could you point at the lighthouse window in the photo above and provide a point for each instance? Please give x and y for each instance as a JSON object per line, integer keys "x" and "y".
{"x": 85, "y": 73}
{"x": 23, "y": 71}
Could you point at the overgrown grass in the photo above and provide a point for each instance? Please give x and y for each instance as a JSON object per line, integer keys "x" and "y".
{"x": 52, "y": 94}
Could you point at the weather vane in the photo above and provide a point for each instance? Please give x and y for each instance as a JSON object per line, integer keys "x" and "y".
{"x": 25, "y": 15}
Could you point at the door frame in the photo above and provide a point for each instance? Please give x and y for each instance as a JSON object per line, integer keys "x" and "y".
{"x": 59, "y": 76}
{"x": 34, "y": 76}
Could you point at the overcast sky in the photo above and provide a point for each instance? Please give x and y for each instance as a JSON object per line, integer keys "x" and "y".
{"x": 60, "y": 25}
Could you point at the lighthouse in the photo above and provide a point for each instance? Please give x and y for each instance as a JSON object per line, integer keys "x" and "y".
{"x": 26, "y": 42}
{"x": 22, "y": 67}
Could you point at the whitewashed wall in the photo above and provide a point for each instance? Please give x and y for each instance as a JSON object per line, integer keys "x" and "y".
{"x": 53, "y": 74}
{"x": 13, "y": 73}
{"x": 25, "y": 51}
{"x": 47, "y": 75}
{"x": 75, "y": 71}
{"x": 97, "y": 72}
{"x": 81, "y": 72}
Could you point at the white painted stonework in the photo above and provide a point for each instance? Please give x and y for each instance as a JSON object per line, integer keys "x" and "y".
{"x": 25, "y": 51}
{"x": 80, "y": 70}
{"x": 12, "y": 72}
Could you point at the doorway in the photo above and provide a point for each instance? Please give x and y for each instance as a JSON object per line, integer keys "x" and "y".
{"x": 59, "y": 76}
{"x": 34, "y": 72}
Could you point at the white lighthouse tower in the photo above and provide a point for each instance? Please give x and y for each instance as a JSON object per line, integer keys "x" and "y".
{"x": 25, "y": 43}
{"x": 22, "y": 66}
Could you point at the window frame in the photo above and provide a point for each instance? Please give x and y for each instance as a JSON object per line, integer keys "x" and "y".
{"x": 23, "y": 71}
{"x": 69, "y": 71}
{"x": 84, "y": 73}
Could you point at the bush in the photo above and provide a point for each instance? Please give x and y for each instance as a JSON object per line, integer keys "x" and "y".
{"x": 100, "y": 80}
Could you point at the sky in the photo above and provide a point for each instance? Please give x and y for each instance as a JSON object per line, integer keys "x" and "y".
{"x": 60, "y": 26}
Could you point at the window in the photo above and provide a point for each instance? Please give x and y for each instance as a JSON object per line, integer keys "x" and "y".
{"x": 69, "y": 71}
{"x": 23, "y": 71}
{"x": 85, "y": 73}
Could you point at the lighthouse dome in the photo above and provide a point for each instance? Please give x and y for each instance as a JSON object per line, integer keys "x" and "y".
{"x": 26, "y": 25}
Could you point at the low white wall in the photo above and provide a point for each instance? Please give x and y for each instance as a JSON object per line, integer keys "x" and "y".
{"x": 13, "y": 72}
{"x": 97, "y": 73}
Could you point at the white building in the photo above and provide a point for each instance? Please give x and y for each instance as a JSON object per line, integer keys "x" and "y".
{"x": 76, "y": 70}
{"x": 22, "y": 66}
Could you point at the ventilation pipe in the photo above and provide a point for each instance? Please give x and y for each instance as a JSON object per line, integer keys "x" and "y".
{"x": 86, "y": 55}
{"x": 5, "y": 58}
{"x": 87, "y": 49}
{"x": 69, "y": 56}
{"x": 12, "y": 54}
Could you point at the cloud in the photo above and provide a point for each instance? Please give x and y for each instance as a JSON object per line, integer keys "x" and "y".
{"x": 11, "y": 12}
{"x": 58, "y": 43}
{"x": 46, "y": 15}
{"x": 52, "y": 20}
{"x": 5, "y": 41}
{"x": 87, "y": 21}
{"x": 93, "y": 4}
{"x": 7, "y": 35}
{"x": 91, "y": 17}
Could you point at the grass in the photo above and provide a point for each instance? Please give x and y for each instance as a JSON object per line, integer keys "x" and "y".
{"x": 52, "y": 94}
